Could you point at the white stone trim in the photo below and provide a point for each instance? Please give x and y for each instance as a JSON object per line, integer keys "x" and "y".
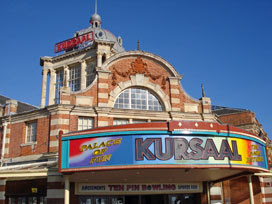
{"x": 102, "y": 105}
{"x": 103, "y": 123}
{"x": 216, "y": 201}
{"x": 3, "y": 182}
{"x": 54, "y": 143}
{"x": 215, "y": 191}
{"x": 7, "y": 140}
{"x": 60, "y": 121}
{"x": 175, "y": 109}
{"x": 8, "y": 131}
{"x": 266, "y": 200}
{"x": 54, "y": 132}
{"x": 103, "y": 95}
{"x": 168, "y": 67}
{"x": 175, "y": 100}
{"x": 266, "y": 190}
{"x": 103, "y": 75}
{"x": 55, "y": 193}
{"x": 265, "y": 179}
{"x": 65, "y": 102}
{"x": 2, "y": 195}
{"x": 103, "y": 85}
{"x": 141, "y": 81}
{"x": 174, "y": 91}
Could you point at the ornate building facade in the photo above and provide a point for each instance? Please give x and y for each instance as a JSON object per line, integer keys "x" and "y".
{"x": 173, "y": 149}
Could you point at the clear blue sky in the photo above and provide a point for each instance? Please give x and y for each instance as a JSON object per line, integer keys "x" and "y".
{"x": 224, "y": 44}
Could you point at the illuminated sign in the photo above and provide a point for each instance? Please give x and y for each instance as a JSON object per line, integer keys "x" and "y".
{"x": 123, "y": 151}
{"x": 73, "y": 42}
{"x": 124, "y": 189}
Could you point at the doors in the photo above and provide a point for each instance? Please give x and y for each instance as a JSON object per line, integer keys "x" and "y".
{"x": 26, "y": 200}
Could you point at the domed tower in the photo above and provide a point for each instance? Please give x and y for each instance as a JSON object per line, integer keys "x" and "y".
{"x": 75, "y": 67}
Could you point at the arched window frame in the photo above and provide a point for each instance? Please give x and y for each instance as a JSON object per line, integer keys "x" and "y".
{"x": 137, "y": 98}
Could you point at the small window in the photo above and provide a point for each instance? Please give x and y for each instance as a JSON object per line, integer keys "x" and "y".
{"x": 31, "y": 132}
{"x": 85, "y": 123}
{"x": 75, "y": 78}
{"x": 58, "y": 85}
{"x": 135, "y": 121}
{"x": 120, "y": 121}
{"x": 90, "y": 73}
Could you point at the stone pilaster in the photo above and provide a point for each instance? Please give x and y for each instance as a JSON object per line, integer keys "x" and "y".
{"x": 55, "y": 190}
{"x": 83, "y": 74}
{"x": 52, "y": 87}
{"x": 2, "y": 191}
{"x": 103, "y": 88}
{"x": 59, "y": 121}
{"x": 11, "y": 107}
{"x": 66, "y": 76}
{"x": 266, "y": 189}
{"x": 99, "y": 59}
{"x": 44, "y": 84}
{"x": 216, "y": 193}
{"x": 206, "y": 105}
{"x": 175, "y": 93}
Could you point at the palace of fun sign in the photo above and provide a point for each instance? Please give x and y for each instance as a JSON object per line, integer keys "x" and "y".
{"x": 117, "y": 150}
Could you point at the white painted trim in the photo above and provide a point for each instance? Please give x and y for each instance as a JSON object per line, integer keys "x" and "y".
{"x": 215, "y": 191}
{"x": 266, "y": 200}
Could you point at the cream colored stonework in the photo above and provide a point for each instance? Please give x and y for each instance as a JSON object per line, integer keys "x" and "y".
{"x": 103, "y": 95}
{"x": 103, "y": 86}
{"x": 84, "y": 100}
{"x": 191, "y": 107}
{"x": 103, "y": 123}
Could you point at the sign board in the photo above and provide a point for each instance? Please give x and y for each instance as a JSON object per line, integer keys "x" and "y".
{"x": 73, "y": 42}
{"x": 130, "y": 189}
{"x": 121, "y": 151}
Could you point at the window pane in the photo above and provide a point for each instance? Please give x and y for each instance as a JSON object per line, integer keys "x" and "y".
{"x": 135, "y": 98}
{"x": 74, "y": 79}
{"x": 120, "y": 121}
{"x": 85, "y": 123}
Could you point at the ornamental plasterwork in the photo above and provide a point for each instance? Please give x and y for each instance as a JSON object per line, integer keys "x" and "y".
{"x": 137, "y": 67}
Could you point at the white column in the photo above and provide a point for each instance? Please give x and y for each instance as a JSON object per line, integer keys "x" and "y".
{"x": 52, "y": 87}
{"x": 208, "y": 193}
{"x": 4, "y": 142}
{"x": 83, "y": 75}
{"x": 67, "y": 190}
{"x": 44, "y": 84}
{"x": 251, "y": 194}
{"x": 99, "y": 59}
{"x": 66, "y": 76}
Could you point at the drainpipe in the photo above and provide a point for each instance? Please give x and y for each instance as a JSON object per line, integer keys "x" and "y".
{"x": 3, "y": 142}
{"x": 208, "y": 193}
{"x": 251, "y": 195}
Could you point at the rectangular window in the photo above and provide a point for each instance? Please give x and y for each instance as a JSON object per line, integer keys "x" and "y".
{"x": 58, "y": 85}
{"x": 31, "y": 132}
{"x": 74, "y": 79}
{"x": 85, "y": 123}
{"x": 120, "y": 121}
{"x": 90, "y": 73}
{"x": 138, "y": 121}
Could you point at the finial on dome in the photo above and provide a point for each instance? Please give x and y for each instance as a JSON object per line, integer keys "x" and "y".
{"x": 95, "y": 20}
{"x": 138, "y": 48}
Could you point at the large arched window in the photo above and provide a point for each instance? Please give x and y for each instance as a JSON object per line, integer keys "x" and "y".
{"x": 140, "y": 99}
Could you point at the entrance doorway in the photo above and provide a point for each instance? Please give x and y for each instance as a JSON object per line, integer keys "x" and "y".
{"x": 193, "y": 198}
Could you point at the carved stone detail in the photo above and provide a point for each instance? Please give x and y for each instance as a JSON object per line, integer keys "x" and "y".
{"x": 137, "y": 67}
